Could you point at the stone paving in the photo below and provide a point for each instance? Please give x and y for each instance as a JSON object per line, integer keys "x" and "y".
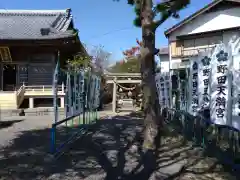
{"x": 110, "y": 149}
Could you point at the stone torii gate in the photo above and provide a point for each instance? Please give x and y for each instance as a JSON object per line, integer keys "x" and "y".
{"x": 121, "y": 78}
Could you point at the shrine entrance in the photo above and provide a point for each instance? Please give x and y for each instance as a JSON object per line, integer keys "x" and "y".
{"x": 126, "y": 91}
{"x": 9, "y": 77}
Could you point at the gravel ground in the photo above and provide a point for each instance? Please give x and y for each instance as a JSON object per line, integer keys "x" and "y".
{"x": 109, "y": 150}
{"x": 13, "y": 127}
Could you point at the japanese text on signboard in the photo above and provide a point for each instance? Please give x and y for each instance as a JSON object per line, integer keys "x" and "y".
{"x": 194, "y": 92}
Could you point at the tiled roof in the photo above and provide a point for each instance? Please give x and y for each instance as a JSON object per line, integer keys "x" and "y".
{"x": 35, "y": 24}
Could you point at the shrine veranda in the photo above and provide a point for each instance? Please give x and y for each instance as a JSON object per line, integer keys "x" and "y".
{"x": 212, "y": 84}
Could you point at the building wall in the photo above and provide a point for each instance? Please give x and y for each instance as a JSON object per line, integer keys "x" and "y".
{"x": 164, "y": 63}
{"x": 33, "y": 67}
{"x": 202, "y": 42}
{"x": 40, "y": 69}
{"x": 211, "y": 21}
{"x": 192, "y": 47}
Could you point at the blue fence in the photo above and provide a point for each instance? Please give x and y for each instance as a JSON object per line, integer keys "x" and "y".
{"x": 81, "y": 101}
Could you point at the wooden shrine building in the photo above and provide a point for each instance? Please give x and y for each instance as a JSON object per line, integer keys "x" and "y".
{"x": 30, "y": 41}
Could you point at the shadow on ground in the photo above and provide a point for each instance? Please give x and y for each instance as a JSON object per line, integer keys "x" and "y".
{"x": 110, "y": 150}
{"x": 6, "y": 124}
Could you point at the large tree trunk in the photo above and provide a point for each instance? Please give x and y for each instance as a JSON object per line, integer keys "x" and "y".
{"x": 150, "y": 97}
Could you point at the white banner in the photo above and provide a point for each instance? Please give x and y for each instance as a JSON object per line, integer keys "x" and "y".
{"x": 80, "y": 91}
{"x": 68, "y": 97}
{"x": 204, "y": 70}
{"x": 163, "y": 85}
{"x": 221, "y": 101}
{"x": 74, "y": 94}
{"x": 183, "y": 97}
{"x": 167, "y": 88}
{"x": 96, "y": 98}
{"x": 234, "y": 43}
{"x": 91, "y": 92}
{"x": 193, "y": 87}
{"x": 97, "y": 95}
{"x": 236, "y": 100}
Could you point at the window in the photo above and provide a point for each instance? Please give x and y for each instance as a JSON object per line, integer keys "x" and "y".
{"x": 189, "y": 43}
{"x": 215, "y": 40}
{"x": 176, "y": 48}
{"x": 201, "y": 42}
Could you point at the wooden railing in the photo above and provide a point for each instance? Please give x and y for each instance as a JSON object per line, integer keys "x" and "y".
{"x": 20, "y": 95}
{"x": 26, "y": 90}
{"x": 44, "y": 88}
{"x": 194, "y": 51}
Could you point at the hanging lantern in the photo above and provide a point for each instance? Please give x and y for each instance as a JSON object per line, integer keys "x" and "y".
{"x": 129, "y": 93}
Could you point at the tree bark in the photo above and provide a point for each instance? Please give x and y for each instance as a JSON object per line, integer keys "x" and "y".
{"x": 150, "y": 97}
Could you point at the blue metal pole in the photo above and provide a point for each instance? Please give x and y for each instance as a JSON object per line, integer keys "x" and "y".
{"x": 53, "y": 139}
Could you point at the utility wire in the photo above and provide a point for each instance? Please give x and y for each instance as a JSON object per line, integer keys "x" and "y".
{"x": 111, "y": 32}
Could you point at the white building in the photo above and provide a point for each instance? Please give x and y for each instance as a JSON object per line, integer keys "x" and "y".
{"x": 217, "y": 22}
{"x": 164, "y": 59}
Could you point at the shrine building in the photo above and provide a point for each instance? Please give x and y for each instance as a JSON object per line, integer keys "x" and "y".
{"x": 31, "y": 42}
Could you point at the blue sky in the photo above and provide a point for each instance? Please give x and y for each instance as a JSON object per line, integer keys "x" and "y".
{"x": 104, "y": 22}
